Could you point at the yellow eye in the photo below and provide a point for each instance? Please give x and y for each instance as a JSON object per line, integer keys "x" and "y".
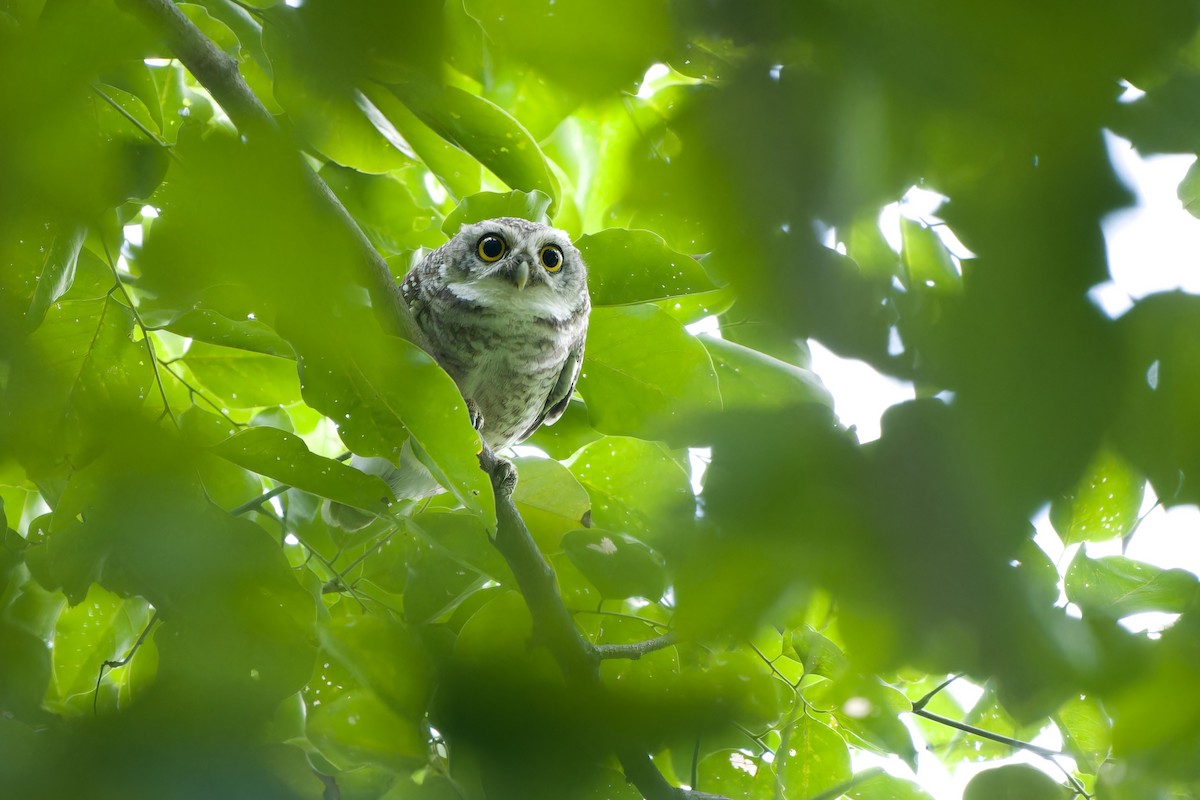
{"x": 551, "y": 257}
{"x": 491, "y": 248}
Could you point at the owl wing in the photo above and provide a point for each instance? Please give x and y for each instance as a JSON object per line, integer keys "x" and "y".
{"x": 560, "y": 394}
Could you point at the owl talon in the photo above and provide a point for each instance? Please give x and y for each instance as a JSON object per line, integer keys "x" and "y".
{"x": 500, "y": 470}
{"x": 475, "y": 414}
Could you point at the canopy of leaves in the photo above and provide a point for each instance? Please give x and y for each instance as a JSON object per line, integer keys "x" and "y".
{"x": 189, "y": 342}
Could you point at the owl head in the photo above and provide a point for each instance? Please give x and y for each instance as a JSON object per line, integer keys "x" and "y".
{"x": 519, "y": 258}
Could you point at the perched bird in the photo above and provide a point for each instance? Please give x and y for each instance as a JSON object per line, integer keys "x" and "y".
{"x": 504, "y": 306}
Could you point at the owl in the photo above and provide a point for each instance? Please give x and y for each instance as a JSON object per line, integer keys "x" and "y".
{"x": 504, "y": 306}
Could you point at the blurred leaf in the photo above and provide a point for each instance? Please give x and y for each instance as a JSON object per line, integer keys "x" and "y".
{"x": 58, "y": 273}
{"x": 211, "y": 327}
{"x": 1103, "y": 505}
{"x": 489, "y": 205}
{"x": 102, "y": 627}
{"x": 284, "y": 457}
{"x": 643, "y": 374}
{"x": 550, "y": 499}
{"x": 436, "y": 585}
{"x": 244, "y": 378}
{"x": 388, "y": 390}
{"x": 384, "y": 208}
{"x": 733, "y": 774}
{"x": 1086, "y": 730}
{"x": 483, "y": 130}
{"x": 750, "y": 379}
{"x": 815, "y": 760}
{"x": 619, "y": 565}
{"x": 1014, "y": 781}
{"x": 384, "y": 657}
{"x": 1115, "y": 586}
{"x": 927, "y": 259}
{"x": 627, "y": 267}
{"x": 356, "y": 728}
{"x": 635, "y": 486}
{"x": 572, "y": 43}
{"x": 887, "y": 787}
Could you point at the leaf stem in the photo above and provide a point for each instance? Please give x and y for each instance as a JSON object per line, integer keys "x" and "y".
{"x": 983, "y": 734}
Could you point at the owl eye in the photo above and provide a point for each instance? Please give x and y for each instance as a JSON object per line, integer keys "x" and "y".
{"x": 551, "y": 257}
{"x": 491, "y": 248}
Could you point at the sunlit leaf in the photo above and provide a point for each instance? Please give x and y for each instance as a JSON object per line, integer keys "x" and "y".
{"x": 1014, "y": 781}
{"x": 284, "y": 457}
{"x": 488, "y": 205}
{"x": 1116, "y": 586}
{"x": 1103, "y": 505}
{"x": 643, "y": 374}
{"x": 617, "y": 563}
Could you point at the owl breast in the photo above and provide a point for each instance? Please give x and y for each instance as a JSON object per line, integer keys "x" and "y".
{"x": 506, "y": 350}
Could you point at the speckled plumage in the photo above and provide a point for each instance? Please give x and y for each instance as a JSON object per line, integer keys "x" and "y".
{"x": 514, "y": 350}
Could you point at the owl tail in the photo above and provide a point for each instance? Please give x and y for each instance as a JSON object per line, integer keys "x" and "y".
{"x": 408, "y": 481}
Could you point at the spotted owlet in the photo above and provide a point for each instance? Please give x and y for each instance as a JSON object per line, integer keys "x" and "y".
{"x": 504, "y": 305}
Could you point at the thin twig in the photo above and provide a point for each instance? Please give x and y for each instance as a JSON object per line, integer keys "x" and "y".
{"x": 924, "y": 701}
{"x": 151, "y": 135}
{"x": 114, "y": 664}
{"x": 137, "y": 318}
{"x": 981, "y": 733}
{"x": 194, "y": 392}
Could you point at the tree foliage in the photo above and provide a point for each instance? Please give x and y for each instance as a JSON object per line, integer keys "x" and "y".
{"x": 193, "y": 329}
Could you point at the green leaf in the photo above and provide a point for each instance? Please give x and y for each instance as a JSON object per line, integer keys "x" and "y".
{"x": 868, "y": 710}
{"x": 484, "y": 130}
{"x": 74, "y": 373}
{"x": 584, "y": 48}
{"x": 818, "y": 654}
{"x": 103, "y": 627}
{"x": 1014, "y": 782}
{"x": 627, "y": 267}
{"x": 750, "y": 379}
{"x": 385, "y": 657}
{"x": 284, "y": 457}
{"x": 619, "y": 565}
{"x": 489, "y": 205}
{"x": 386, "y": 391}
{"x": 550, "y": 499}
{"x": 436, "y": 585}
{"x": 1086, "y": 731}
{"x": 456, "y": 171}
{"x": 887, "y": 787}
{"x": 1104, "y": 503}
{"x": 813, "y": 759}
{"x": 1115, "y": 586}
{"x": 336, "y": 119}
{"x": 643, "y": 374}
{"x": 356, "y": 728}
{"x": 58, "y": 273}
{"x": 243, "y": 378}
{"x": 635, "y": 486}
{"x": 929, "y": 262}
{"x": 209, "y": 326}
{"x": 1189, "y": 191}
{"x": 384, "y": 208}
{"x": 736, "y": 775}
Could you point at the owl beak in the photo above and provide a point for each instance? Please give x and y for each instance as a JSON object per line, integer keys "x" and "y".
{"x": 521, "y": 274}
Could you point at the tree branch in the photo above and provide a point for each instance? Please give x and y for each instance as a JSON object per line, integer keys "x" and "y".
{"x": 634, "y": 650}
{"x": 218, "y": 73}
{"x": 578, "y": 658}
